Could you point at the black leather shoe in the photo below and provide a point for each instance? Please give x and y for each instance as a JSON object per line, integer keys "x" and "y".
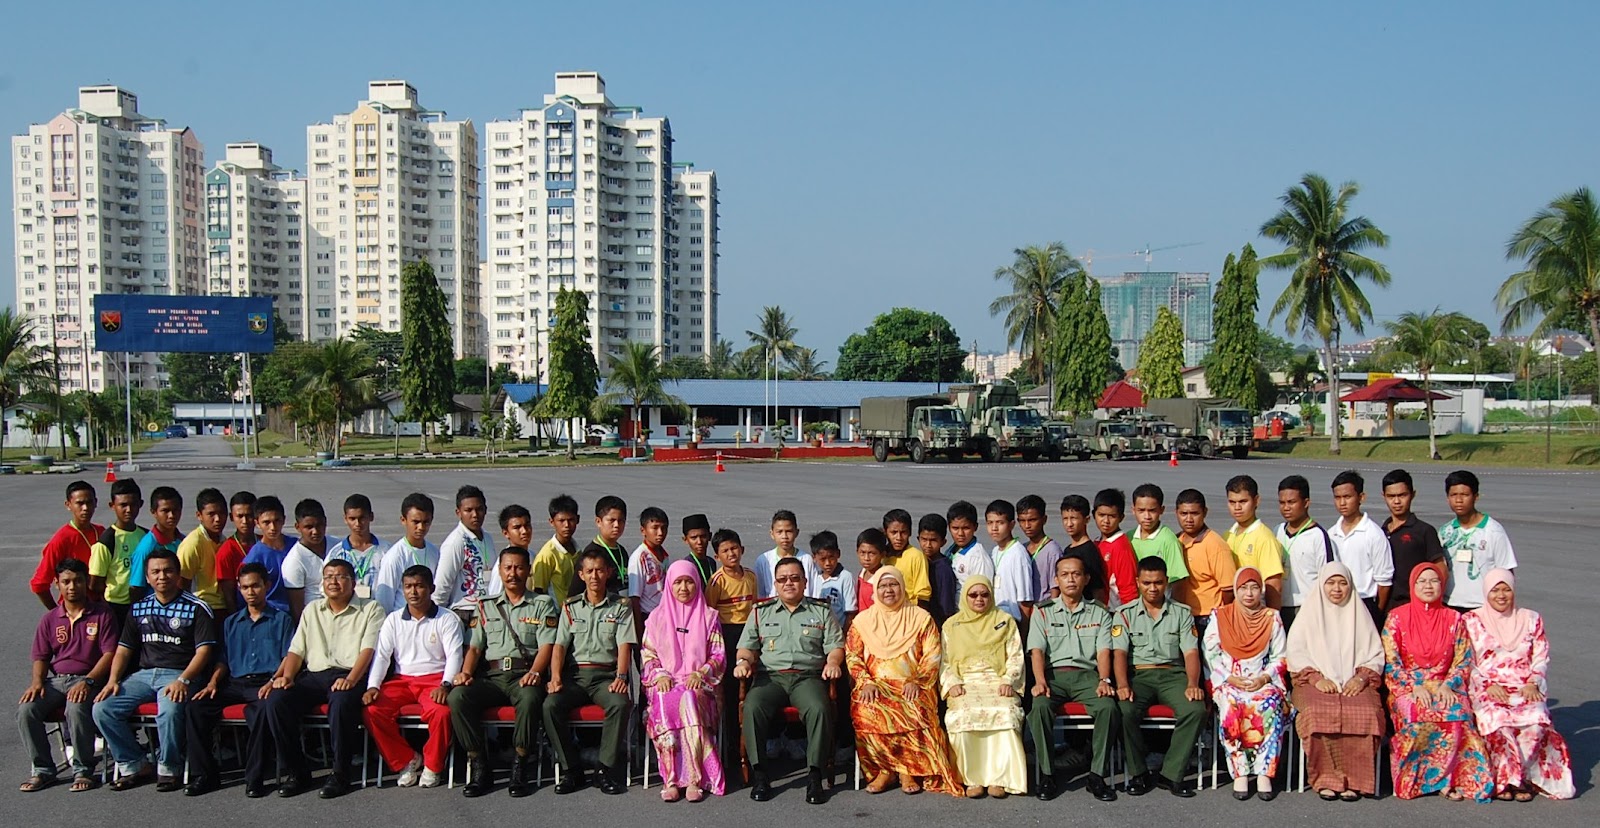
{"x": 293, "y": 785}
{"x": 333, "y": 787}
{"x": 1098, "y": 788}
{"x": 255, "y": 791}
{"x": 1047, "y": 788}
{"x": 1264, "y": 790}
{"x": 478, "y": 778}
{"x": 200, "y": 786}
{"x": 168, "y": 784}
{"x": 572, "y": 781}
{"x": 612, "y": 783}
{"x": 760, "y": 787}
{"x": 1141, "y": 784}
{"x": 815, "y": 793}
{"x": 520, "y": 786}
{"x": 1184, "y": 788}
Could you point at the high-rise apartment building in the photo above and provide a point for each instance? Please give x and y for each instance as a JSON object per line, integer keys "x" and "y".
{"x": 1132, "y": 300}
{"x": 106, "y": 200}
{"x": 255, "y": 232}
{"x": 583, "y": 193}
{"x": 391, "y": 182}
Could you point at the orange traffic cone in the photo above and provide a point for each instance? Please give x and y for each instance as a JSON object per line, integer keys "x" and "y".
{"x": 720, "y": 469}
{"x": 1173, "y": 460}
{"x": 111, "y": 472}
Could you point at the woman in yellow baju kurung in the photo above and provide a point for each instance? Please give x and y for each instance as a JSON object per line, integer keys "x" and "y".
{"x": 982, "y": 681}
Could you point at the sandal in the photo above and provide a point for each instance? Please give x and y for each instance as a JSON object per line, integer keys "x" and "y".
{"x": 36, "y": 783}
{"x": 669, "y": 794}
{"x": 879, "y": 783}
{"x": 1506, "y": 795}
{"x": 1350, "y": 796}
{"x": 83, "y": 783}
{"x": 1454, "y": 795}
{"x": 1524, "y": 795}
{"x": 133, "y": 780}
{"x": 974, "y": 792}
{"x": 908, "y": 783}
{"x": 1328, "y": 794}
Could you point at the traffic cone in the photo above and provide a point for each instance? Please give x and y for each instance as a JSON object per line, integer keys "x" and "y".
{"x": 1173, "y": 460}
{"x": 720, "y": 469}
{"x": 111, "y": 472}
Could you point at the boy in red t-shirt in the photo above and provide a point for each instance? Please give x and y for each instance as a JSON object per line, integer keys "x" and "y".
{"x": 1116, "y": 551}
{"x": 230, "y": 555}
{"x": 70, "y": 541}
{"x": 871, "y": 548}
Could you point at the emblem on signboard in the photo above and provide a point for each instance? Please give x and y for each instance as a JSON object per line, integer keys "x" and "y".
{"x": 111, "y": 321}
{"x": 258, "y": 322}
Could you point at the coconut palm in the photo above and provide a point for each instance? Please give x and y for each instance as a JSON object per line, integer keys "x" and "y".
{"x": 1561, "y": 283}
{"x": 804, "y": 365}
{"x": 24, "y": 363}
{"x": 1425, "y": 342}
{"x": 342, "y": 372}
{"x": 1303, "y": 371}
{"x": 636, "y": 378}
{"x": 1036, "y": 279}
{"x": 1323, "y": 250}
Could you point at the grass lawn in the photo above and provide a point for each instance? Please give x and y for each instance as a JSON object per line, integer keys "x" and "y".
{"x": 1519, "y": 449}
{"x": 274, "y": 444}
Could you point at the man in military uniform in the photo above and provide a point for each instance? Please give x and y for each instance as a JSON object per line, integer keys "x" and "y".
{"x": 1157, "y": 652}
{"x": 1069, "y": 647}
{"x": 506, "y": 660}
{"x": 594, "y": 646}
{"x": 791, "y": 647}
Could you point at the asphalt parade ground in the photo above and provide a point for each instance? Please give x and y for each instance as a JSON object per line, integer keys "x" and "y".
{"x": 1549, "y": 516}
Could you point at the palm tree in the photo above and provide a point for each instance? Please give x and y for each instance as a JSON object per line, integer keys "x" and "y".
{"x": 1036, "y": 279}
{"x": 1561, "y": 284}
{"x": 719, "y": 360}
{"x": 1323, "y": 249}
{"x": 24, "y": 364}
{"x": 775, "y": 335}
{"x": 1303, "y": 371}
{"x": 343, "y": 372}
{"x": 804, "y": 365}
{"x": 636, "y": 378}
{"x": 747, "y": 364}
{"x": 1427, "y": 341}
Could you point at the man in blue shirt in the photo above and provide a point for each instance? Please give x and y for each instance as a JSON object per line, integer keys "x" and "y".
{"x": 254, "y": 641}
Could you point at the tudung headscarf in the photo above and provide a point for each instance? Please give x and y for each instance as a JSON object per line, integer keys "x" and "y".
{"x": 680, "y": 632}
{"x": 1334, "y": 639}
{"x": 888, "y": 632}
{"x": 979, "y": 638}
{"x": 1509, "y": 627}
{"x": 1245, "y": 634}
{"x": 1427, "y": 630}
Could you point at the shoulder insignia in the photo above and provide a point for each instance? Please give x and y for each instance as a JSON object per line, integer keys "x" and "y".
{"x": 1046, "y": 603}
{"x": 1116, "y": 630}
{"x": 550, "y": 621}
{"x": 574, "y": 600}
{"x": 817, "y": 602}
{"x": 767, "y": 603}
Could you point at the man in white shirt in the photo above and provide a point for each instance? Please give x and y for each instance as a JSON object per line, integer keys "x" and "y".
{"x": 466, "y": 573}
{"x": 647, "y": 569}
{"x": 1307, "y": 546}
{"x": 1361, "y": 544}
{"x": 423, "y": 642}
{"x": 967, "y": 556}
{"x": 1473, "y": 542}
{"x": 1015, "y": 586}
{"x": 302, "y": 565}
{"x": 413, "y": 549}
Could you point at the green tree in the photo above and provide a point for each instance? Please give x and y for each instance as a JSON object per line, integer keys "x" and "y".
{"x": 1035, "y": 280}
{"x": 750, "y": 363}
{"x": 1323, "y": 252}
{"x": 573, "y": 375}
{"x": 385, "y": 347}
{"x": 1161, "y": 357}
{"x": 1426, "y": 342}
{"x": 719, "y": 362}
{"x": 1235, "y": 355}
{"x": 1275, "y": 350}
{"x": 1083, "y": 346}
{"x": 903, "y": 345}
{"x": 1303, "y": 372}
{"x": 427, "y": 352}
{"x": 636, "y": 378}
{"x": 24, "y": 363}
{"x": 774, "y": 335}
{"x": 804, "y": 365}
{"x": 469, "y": 376}
{"x": 683, "y": 367}
{"x": 200, "y": 377}
{"x": 343, "y": 372}
{"x": 1560, "y": 282}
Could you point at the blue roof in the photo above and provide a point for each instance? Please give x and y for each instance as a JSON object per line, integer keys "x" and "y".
{"x": 804, "y": 393}
{"x": 521, "y": 392}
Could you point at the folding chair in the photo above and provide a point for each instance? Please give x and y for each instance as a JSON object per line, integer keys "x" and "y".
{"x": 791, "y": 715}
{"x": 1162, "y": 717}
{"x": 1070, "y": 716}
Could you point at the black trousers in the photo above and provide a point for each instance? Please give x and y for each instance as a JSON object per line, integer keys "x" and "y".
{"x": 285, "y": 709}
{"x": 200, "y": 724}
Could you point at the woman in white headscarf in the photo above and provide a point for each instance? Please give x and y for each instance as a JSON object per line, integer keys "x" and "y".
{"x": 1335, "y": 661}
{"x": 1507, "y": 689}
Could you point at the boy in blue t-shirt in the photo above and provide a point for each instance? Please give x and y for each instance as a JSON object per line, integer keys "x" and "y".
{"x": 271, "y": 549}
{"x": 166, "y": 505}
{"x": 834, "y": 584}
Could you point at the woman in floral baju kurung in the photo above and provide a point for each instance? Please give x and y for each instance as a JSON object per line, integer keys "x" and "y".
{"x": 1436, "y": 747}
{"x": 1244, "y": 649}
{"x": 1510, "y": 657}
{"x": 683, "y": 656}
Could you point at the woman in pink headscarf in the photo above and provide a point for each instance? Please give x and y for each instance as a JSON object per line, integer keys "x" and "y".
{"x": 1507, "y": 688}
{"x": 683, "y": 659}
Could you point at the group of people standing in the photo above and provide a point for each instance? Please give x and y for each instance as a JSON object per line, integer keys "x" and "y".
{"x": 933, "y": 657}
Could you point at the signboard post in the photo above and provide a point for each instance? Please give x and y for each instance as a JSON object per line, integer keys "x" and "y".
{"x": 142, "y": 323}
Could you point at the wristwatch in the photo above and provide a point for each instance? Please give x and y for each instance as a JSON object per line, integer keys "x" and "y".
{"x": 184, "y": 680}
{"x": 1108, "y": 681}
{"x": 446, "y": 685}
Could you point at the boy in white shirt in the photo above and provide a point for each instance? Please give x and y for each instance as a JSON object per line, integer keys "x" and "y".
{"x": 361, "y": 548}
{"x": 1361, "y": 544}
{"x": 1473, "y": 542}
{"x": 1306, "y": 546}
{"x": 647, "y": 567}
{"x": 1015, "y": 580}
{"x": 413, "y": 549}
{"x": 785, "y": 531}
{"x": 302, "y": 566}
{"x": 466, "y": 573}
{"x": 834, "y": 583}
{"x": 967, "y": 556}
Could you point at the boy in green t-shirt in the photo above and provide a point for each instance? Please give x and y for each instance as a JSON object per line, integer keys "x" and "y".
{"x": 1152, "y": 537}
{"x": 111, "y": 557}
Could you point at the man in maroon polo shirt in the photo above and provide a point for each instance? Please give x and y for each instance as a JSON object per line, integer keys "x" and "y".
{"x": 72, "y": 652}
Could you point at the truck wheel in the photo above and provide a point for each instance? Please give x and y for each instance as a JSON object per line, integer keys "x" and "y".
{"x": 956, "y": 455}
{"x": 1085, "y": 456}
{"x": 1241, "y": 452}
{"x": 991, "y": 452}
{"x": 1055, "y": 455}
{"x": 880, "y": 450}
{"x": 919, "y": 452}
{"x": 1208, "y": 449}
{"x": 1114, "y": 453}
{"x": 1030, "y": 457}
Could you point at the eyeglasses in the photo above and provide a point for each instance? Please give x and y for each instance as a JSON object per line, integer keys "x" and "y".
{"x": 790, "y": 579}
{"x": 977, "y": 595}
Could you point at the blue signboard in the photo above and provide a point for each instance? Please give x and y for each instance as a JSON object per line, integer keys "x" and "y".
{"x": 182, "y": 324}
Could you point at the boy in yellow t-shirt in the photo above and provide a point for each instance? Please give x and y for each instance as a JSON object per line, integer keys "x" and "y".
{"x": 904, "y": 555}
{"x": 1252, "y": 542}
{"x": 197, "y": 554}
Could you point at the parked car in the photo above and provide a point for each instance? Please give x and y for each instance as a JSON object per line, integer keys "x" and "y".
{"x": 177, "y": 431}
{"x": 1291, "y": 421}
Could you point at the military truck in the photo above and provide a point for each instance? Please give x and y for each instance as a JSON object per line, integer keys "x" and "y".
{"x": 1119, "y": 439}
{"x": 1063, "y": 441}
{"x": 1216, "y": 424}
{"x": 1166, "y": 438}
{"x": 1001, "y": 424}
{"x": 917, "y": 426}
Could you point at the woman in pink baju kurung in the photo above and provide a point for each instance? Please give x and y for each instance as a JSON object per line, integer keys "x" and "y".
{"x": 683, "y": 657}
{"x": 1507, "y": 688}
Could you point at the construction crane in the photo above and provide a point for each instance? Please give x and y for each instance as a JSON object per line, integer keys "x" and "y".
{"x": 1149, "y": 250}
{"x": 1089, "y": 256}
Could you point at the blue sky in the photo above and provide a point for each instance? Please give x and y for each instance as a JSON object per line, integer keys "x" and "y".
{"x": 875, "y": 155}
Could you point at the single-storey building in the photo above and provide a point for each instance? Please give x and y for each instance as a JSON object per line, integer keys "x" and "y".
{"x": 215, "y": 417}
{"x": 384, "y": 416}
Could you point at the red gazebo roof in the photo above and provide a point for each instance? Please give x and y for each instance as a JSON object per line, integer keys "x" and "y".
{"x": 1120, "y": 394}
{"x": 1391, "y": 389}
